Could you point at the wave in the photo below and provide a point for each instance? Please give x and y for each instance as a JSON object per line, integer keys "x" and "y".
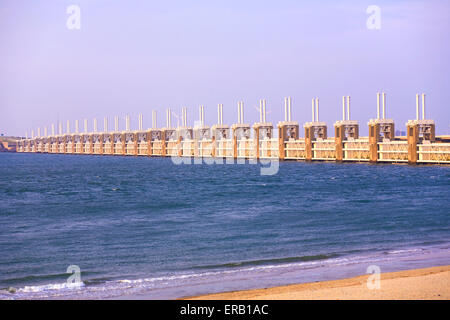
{"x": 54, "y": 286}
{"x": 268, "y": 261}
{"x": 404, "y": 251}
{"x": 239, "y": 274}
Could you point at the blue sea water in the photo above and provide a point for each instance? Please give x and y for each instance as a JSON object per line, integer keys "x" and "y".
{"x": 145, "y": 227}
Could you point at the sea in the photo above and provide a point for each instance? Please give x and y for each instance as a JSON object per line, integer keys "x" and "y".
{"x": 113, "y": 227}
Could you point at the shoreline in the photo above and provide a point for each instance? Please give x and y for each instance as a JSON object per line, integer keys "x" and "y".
{"x": 416, "y": 284}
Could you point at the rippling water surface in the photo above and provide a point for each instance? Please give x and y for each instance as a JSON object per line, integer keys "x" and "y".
{"x": 146, "y": 226}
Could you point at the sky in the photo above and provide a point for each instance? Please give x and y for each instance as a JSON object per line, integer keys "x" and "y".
{"x": 132, "y": 57}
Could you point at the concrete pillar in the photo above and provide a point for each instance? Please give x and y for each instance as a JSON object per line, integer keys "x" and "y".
{"x": 309, "y": 138}
{"x": 413, "y": 139}
{"x": 281, "y": 139}
{"x": 91, "y": 144}
{"x": 423, "y": 106}
{"x": 235, "y": 153}
{"x": 149, "y": 143}
{"x": 374, "y": 133}
{"x": 112, "y": 150}
{"x": 163, "y": 146}
{"x": 339, "y": 136}
{"x": 257, "y": 142}
{"x": 123, "y": 138}
{"x": 102, "y": 140}
{"x": 213, "y": 151}
{"x": 180, "y": 146}
{"x": 135, "y": 144}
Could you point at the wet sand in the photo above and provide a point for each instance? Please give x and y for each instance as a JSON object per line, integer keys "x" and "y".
{"x": 429, "y": 283}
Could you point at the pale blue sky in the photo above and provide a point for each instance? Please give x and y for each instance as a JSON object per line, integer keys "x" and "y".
{"x": 131, "y": 57}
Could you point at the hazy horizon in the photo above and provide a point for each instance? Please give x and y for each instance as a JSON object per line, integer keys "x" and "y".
{"x": 132, "y": 57}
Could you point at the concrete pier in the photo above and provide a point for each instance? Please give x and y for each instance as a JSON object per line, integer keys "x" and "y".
{"x": 421, "y": 145}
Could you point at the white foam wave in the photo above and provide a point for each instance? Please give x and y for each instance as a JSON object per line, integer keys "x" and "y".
{"x": 267, "y": 268}
{"x": 132, "y": 286}
{"x": 404, "y": 251}
{"x": 52, "y": 286}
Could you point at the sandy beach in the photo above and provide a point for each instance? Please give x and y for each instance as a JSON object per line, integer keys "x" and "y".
{"x": 429, "y": 283}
